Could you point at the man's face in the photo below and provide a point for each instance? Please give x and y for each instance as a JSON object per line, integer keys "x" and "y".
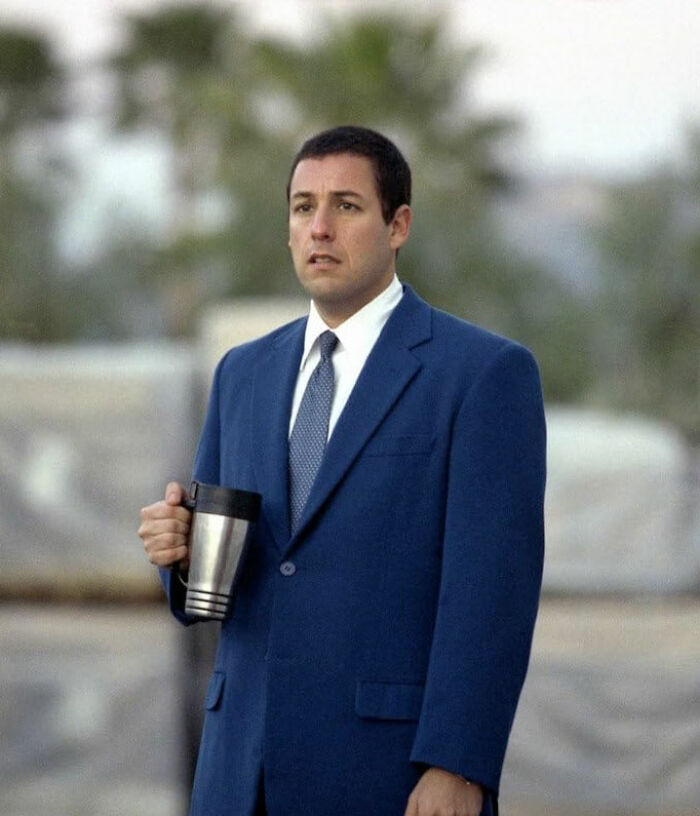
{"x": 344, "y": 253}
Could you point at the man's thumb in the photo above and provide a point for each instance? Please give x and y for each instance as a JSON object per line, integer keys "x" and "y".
{"x": 174, "y": 493}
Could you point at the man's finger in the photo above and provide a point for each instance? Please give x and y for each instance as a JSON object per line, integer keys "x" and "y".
{"x": 175, "y": 493}
{"x": 411, "y": 806}
{"x": 164, "y": 541}
{"x": 165, "y": 558}
{"x": 163, "y": 510}
{"x": 156, "y": 527}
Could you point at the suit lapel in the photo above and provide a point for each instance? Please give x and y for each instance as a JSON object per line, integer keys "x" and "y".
{"x": 273, "y": 390}
{"x": 390, "y": 367}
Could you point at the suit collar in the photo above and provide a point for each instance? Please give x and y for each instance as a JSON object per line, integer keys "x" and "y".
{"x": 389, "y": 369}
{"x": 360, "y": 331}
{"x": 273, "y": 388}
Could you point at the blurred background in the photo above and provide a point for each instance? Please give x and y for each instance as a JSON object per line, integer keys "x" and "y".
{"x": 144, "y": 151}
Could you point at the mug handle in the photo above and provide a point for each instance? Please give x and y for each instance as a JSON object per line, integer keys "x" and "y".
{"x": 189, "y": 503}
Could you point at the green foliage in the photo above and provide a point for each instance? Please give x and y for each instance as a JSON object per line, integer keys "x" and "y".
{"x": 649, "y": 314}
{"x": 30, "y": 101}
{"x": 29, "y": 81}
{"x": 237, "y": 114}
{"x": 233, "y": 110}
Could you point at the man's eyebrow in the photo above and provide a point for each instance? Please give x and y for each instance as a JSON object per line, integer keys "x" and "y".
{"x": 334, "y": 193}
{"x": 346, "y": 194}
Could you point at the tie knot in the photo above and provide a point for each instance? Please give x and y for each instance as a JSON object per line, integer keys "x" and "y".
{"x": 327, "y": 342}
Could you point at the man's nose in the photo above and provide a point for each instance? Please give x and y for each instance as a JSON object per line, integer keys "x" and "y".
{"x": 322, "y": 224}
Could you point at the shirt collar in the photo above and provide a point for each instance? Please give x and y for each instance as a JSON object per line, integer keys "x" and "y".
{"x": 360, "y": 331}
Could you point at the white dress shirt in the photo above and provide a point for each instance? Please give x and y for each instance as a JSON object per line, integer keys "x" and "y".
{"x": 356, "y": 338}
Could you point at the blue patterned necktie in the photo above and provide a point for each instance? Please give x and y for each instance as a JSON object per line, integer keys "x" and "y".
{"x": 310, "y": 431}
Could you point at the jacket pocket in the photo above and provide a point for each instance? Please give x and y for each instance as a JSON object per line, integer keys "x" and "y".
{"x": 214, "y": 691}
{"x": 388, "y": 701}
{"x": 400, "y": 445}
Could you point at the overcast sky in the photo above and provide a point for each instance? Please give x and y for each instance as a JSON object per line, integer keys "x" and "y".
{"x": 604, "y": 85}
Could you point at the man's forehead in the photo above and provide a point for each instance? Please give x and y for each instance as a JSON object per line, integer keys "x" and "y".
{"x": 338, "y": 171}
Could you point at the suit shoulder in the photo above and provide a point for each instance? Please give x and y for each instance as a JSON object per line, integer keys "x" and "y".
{"x": 483, "y": 365}
{"x": 472, "y": 340}
{"x": 248, "y": 353}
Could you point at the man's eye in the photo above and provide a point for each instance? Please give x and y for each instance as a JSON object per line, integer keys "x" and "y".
{"x": 302, "y": 208}
{"x": 347, "y": 205}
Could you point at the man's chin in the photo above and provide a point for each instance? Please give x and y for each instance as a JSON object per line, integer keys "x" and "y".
{"x": 324, "y": 288}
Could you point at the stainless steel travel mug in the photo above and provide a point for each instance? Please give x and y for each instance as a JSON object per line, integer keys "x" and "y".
{"x": 222, "y": 519}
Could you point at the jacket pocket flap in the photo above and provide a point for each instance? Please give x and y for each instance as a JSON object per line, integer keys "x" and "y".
{"x": 400, "y": 445}
{"x": 388, "y": 701}
{"x": 216, "y": 685}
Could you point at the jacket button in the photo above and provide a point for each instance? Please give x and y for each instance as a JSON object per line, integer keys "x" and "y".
{"x": 287, "y": 568}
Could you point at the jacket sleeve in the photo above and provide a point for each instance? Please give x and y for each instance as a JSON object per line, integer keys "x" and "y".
{"x": 206, "y": 469}
{"x": 491, "y": 572}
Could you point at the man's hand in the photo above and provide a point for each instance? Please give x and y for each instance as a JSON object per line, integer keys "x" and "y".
{"x": 441, "y": 793}
{"x": 164, "y": 528}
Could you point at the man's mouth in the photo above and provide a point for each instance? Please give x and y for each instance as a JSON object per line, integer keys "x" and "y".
{"x": 322, "y": 258}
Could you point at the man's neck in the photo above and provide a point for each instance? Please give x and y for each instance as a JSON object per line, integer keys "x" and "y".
{"x": 333, "y": 317}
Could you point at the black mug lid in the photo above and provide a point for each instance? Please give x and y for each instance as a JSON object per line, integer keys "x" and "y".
{"x": 225, "y": 501}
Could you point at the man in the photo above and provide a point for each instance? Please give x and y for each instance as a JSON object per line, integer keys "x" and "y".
{"x": 382, "y": 625}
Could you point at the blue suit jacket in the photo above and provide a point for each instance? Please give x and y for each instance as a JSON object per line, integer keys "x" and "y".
{"x": 401, "y": 635}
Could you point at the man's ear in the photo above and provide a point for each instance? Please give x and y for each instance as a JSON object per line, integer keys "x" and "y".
{"x": 400, "y": 227}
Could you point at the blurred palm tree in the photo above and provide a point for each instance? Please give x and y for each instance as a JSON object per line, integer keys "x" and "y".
{"x": 400, "y": 76}
{"x": 184, "y": 73}
{"x": 234, "y": 111}
{"x": 31, "y": 102}
{"x": 29, "y": 84}
{"x": 650, "y": 297}
{"x": 408, "y": 79}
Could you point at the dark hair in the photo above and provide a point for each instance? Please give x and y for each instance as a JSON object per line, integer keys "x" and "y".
{"x": 391, "y": 171}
